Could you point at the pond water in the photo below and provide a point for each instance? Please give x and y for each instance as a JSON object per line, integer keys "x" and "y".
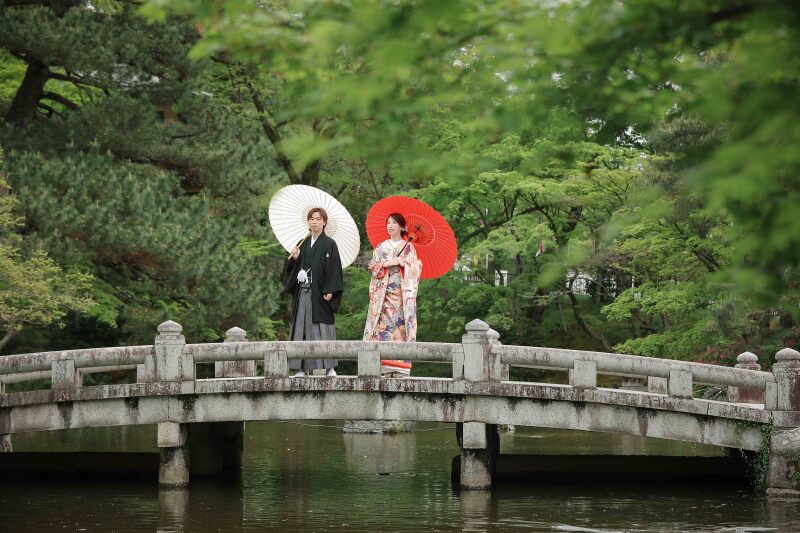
{"x": 310, "y": 476}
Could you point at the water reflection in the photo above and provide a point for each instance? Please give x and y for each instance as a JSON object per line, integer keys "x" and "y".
{"x": 381, "y": 454}
{"x": 172, "y": 507}
{"x": 312, "y": 477}
{"x": 478, "y": 510}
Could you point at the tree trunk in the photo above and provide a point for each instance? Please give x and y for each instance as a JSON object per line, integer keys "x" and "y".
{"x": 599, "y": 337}
{"x": 29, "y": 93}
{"x": 10, "y": 334}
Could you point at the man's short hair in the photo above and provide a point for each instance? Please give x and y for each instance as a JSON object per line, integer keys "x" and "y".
{"x": 322, "y": 213}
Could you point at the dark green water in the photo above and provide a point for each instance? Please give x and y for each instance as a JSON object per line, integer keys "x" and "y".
{"x": 312, "y": 477}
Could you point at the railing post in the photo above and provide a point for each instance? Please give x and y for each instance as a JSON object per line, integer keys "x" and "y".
{"x": 783, "y": 477}
{"x": 680, "y": 383}
{"x": 276, "y": 365}
{"x": 657, "y": 385}
{"x": 235, "y": 369}
{"x": 479, "y": 441}
{"x": 63, "y": 374}
{"x": 171, "y": 364}
{"x": 746, "y": 361}
{"x": 480, "y": 364}
{"x": 583, "y": 374}
{"x": 369, "y": 364}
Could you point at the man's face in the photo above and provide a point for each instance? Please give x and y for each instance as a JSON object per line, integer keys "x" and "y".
{"x": 315, "y": 223}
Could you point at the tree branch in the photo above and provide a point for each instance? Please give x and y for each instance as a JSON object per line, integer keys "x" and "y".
{"x": 66, "y": 102}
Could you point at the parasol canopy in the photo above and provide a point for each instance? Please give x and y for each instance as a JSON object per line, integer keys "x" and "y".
{"x": 288, "y": 212}
{"x": 432, "y": 236}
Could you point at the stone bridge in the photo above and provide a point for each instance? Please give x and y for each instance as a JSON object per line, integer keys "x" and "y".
{"x": 206, "y": 416}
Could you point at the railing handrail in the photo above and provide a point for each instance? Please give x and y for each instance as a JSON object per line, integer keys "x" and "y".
{"x": 631, "y": 365}
{"x": 83, "y": 358}
{"x": 91, "y": 359}
{"x": 248, "y": 351}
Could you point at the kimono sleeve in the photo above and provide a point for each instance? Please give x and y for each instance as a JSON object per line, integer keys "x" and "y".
{"x": 334, "y": 283}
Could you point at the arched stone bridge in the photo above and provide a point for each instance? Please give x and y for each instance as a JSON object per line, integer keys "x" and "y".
{"x": 206, "y": 415}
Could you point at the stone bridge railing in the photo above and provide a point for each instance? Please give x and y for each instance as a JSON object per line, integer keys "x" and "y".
{"x": 479, "y": 359}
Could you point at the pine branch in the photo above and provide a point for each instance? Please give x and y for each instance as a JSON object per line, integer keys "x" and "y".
{"x": 61, "y": 100}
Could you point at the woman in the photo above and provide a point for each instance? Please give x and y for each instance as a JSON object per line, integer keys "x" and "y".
{"x": 392, "y": 312}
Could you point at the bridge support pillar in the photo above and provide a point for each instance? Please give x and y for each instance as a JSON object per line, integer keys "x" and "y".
{"x": 783, "y": 476}
{"x": 5, "y": 444}
{"x": 173, "y": 470}
{"x": 480, "y": 445}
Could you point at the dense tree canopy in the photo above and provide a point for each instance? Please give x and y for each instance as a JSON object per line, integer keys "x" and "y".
{"x": 620, "y": 176}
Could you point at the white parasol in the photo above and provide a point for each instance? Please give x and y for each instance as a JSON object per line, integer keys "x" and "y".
{"x": 288, "y": 212}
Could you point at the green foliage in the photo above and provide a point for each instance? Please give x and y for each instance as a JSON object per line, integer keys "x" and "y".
{"x": 34, "y": 290}
{"x": 618, "y": 175}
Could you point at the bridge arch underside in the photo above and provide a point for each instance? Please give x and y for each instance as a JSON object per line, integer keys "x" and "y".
{"x": 416, "y": 399}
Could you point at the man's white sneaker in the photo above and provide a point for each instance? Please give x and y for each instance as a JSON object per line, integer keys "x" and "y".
{"x": 300, "y": 374}
{"x": 330, "y": 373}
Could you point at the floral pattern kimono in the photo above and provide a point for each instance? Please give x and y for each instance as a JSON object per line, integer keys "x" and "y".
{"x": 392, "y": 312}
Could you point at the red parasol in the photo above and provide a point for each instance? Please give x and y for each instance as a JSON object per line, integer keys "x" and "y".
{"x": 427, "y": 229}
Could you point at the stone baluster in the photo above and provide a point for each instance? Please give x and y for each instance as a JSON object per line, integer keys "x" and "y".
{"x": 479, "y": 441}
{"x": 235, "y": 369}
{"x": 746, "y": 361}
{"x": 169, "y": 361}
{"x": 783, "y": 477}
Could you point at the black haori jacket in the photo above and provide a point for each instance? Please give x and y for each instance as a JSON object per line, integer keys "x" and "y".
{"x": 326, "y": 277}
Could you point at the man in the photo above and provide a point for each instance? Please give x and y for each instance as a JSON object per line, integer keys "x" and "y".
{"x": 315, "y": 279}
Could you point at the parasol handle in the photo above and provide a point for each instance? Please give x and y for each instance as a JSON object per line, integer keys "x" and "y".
{"x": 410, "y": 238}
{"x": 299, "y": 244}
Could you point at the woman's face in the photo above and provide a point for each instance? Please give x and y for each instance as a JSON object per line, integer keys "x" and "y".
{"x": 393, "y": 228}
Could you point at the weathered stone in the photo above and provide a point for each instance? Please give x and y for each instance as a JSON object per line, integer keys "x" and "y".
{"x": 171, "y": 364}
{"x": 63, "y": 374}
{"x": 458, "y": 363}
{"x": 787, "y": 378}
{"x": 746, "y": 361}
{"x": 480, "y": 364}
{"x": 771, "y": 397}
{"x": 171, "y": 435}
{"x": 474, "y": 436}
{"x": 173, "y": 468}
{"x": 584, "y": 374}
{"x": 680, "y": 384}
{"x": 657, "y": 385}
{"x": 235, "y": 369}
{"x": 6, "y": 444}
{"x": 369, "y": 363}
{"x": 276, "y": 365}
{"x": 786, "y": 441}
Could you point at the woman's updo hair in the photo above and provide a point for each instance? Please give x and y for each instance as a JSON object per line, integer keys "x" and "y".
{"x": 401, "y": 220}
